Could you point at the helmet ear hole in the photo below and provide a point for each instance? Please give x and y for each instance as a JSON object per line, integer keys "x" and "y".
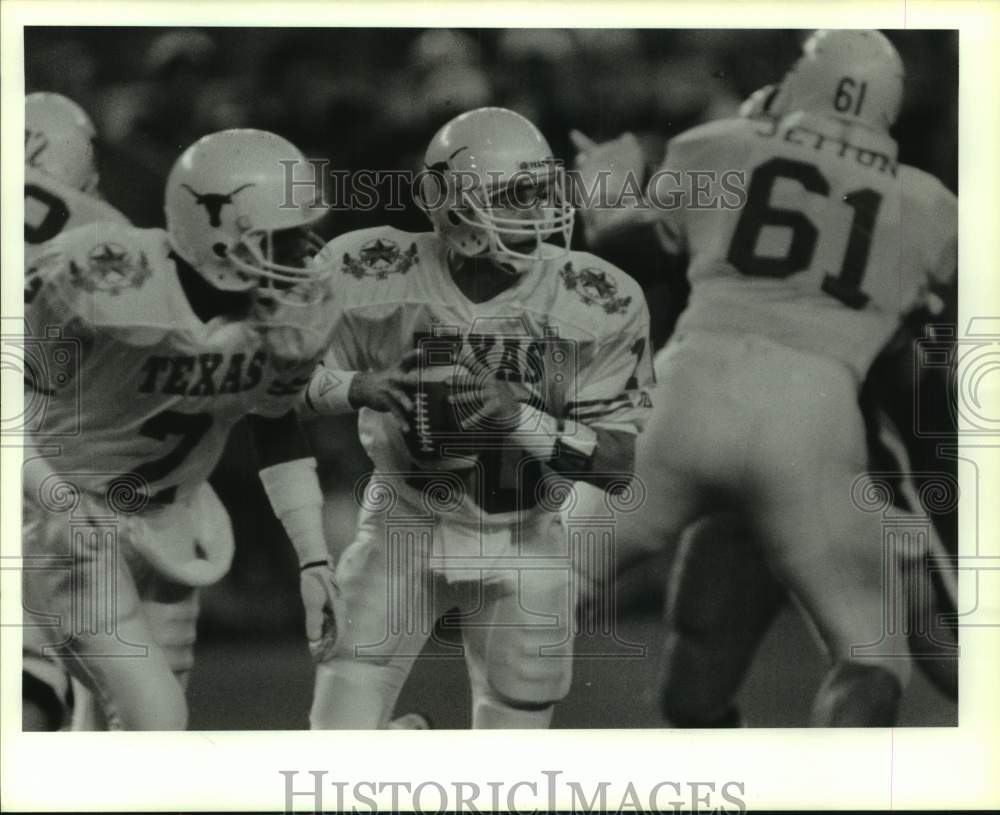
{"x": 453, "y": 219}
{"x": 220, "y": 249}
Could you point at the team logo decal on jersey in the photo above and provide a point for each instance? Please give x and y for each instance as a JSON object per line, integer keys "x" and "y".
{"x": 213, "y": 202}
{"x": 380, "y": 258}
{"x": 595, "y": 287}
{"x": 111, "y": 269}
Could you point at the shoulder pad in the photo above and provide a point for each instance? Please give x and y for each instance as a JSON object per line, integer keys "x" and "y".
{"x": 374, "y": 254}
{"x": 714, "y": 131}
{"x": 112, "y": 275}
{"x": 106, "y": 257}
{"x": 600, "y": 287}
{"x": 927, "y": 190}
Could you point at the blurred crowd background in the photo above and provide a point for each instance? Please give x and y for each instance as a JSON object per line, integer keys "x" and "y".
{"x": 371, "y": 99}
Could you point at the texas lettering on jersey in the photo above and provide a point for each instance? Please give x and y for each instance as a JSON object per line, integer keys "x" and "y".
{"x": 570, "y": 336}
{"x": 156, "y": 389}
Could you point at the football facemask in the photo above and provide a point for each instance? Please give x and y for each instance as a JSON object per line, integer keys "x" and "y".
{"x": 520, "y": 215}
{"x": 285, "y": 262}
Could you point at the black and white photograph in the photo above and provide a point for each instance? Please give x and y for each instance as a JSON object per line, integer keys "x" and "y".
{"x": 452, "y": 378}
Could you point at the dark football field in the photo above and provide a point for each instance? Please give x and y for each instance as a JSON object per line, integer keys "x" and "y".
{"x": 255, "y": 685}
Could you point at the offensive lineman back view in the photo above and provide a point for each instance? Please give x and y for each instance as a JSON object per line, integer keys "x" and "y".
{"x": 165, "y": 340}
{"x": 490, "y": 365}
{"x": 793, "y": 296}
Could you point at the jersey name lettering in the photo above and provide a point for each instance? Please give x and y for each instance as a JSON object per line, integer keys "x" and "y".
{"x": 202, "y": 375}
{"x": 807, "y": 137}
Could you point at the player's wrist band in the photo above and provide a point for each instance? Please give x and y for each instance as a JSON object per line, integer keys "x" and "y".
{"x": 539, "y": 432}
{"x": 328, "y": 392}
{"x": 293, "y": 490}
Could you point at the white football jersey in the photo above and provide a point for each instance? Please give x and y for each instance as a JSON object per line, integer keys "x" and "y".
{"x": 129, "y": 380}
{"x": 51, "y": 207}
{"x": 832, "y": 242}
{"x": 571, "y": 335}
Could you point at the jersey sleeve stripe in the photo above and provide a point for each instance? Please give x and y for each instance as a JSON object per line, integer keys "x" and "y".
{"x": 592, "y": 403}
{"x": 596, "y": 414}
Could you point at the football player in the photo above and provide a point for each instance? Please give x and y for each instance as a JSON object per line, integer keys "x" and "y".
{"x": 61, "y": 191}
{"x": 794, "y": 294}
{"x": 490, "y": 364}
{"x": 151, "y": 345}
{"x": 60, "y": 171}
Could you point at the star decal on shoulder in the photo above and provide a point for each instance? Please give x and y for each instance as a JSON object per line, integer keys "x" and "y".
{"x": 380, "y": 258}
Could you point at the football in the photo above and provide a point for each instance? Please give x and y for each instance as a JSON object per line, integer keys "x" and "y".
{"x": 435, "y": 434}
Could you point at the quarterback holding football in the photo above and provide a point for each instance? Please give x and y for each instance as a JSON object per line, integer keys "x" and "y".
{"x": 492, "y": 366}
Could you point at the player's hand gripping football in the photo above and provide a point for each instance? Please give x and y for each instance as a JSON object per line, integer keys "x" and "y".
{"x": 486, "y": 405}
{"x": 325, "y": 610}
{"x": 388, "y": 391}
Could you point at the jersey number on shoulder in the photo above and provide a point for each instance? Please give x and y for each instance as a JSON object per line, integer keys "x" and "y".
{"x": 759, "y": 212}
{"x": 191, "y": 427}
{"x": 47, "y": 226}
{"x": 639, "y": 348}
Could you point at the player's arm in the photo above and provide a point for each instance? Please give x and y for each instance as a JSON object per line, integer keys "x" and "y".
{"x": 594, "y": 439}
{"x": 336, "y": 388}
{"x": 610, "y": 178}
{"x": 612, "y": 402}
{"x": 346, "y": 380}
{"x": 577, "y": 449}
{"x": 288, "y": 473}
{"x": 759, "y": 103}
{"x": 53, "y": 322}
{"x": 942, "y": 272}
{"x": 640, "y": 232}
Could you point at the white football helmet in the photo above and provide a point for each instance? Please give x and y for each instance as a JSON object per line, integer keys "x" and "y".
{"x": 856, "y": 75}
{"x": 234, "y": 214}
{"x": 59, "y": 140}
{"x": 492, "y": 188}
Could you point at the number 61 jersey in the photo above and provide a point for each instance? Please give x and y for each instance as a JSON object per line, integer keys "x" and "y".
{"x": 804, "y": 230}
{"x": 125, "y": 381}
